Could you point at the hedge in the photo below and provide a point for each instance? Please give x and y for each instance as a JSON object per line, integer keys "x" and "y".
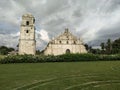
{"x": 60, "y": 58}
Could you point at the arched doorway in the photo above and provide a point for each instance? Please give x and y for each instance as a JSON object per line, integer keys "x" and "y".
{"x": 68, "y": 51}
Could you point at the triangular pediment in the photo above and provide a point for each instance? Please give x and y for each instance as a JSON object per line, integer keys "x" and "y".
{"x": 66, "y": 35}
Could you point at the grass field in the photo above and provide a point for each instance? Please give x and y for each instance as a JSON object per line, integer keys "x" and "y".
{"x": 61, "y": 76}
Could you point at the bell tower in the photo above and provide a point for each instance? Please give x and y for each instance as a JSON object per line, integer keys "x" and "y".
{"x": 27, "y": 43}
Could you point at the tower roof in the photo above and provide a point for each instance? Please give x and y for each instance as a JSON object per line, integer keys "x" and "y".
{"x": 28, "y": 15}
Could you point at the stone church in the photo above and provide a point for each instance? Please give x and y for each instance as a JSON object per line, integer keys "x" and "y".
{"x": 27, "y": 43}
{"x": 65, "y": 43}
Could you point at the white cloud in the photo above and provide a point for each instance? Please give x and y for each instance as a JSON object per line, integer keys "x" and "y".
{"x": 12, "y": 13}
{"x": 44, "y": 35}
{"x": 98, "y": 20}
{"x": 9, "y": 40}
{"x": 15, "y": 34}
{"x": 37, "y": 3}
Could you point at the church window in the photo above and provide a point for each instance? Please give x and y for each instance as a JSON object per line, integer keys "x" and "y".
{"x": 74, "y": 42}
{"x": 27, "y": 31}
{"x": 27, "y": 22}
{"x": 67, "y": 42}
{"x": 60, "y": 42}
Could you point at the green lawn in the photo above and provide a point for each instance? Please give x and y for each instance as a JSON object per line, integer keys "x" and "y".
{"x": 104, "y": 75}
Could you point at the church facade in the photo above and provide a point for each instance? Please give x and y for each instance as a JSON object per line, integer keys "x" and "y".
{"x": 65, "y": 43}
{"x": 27, "y": 43}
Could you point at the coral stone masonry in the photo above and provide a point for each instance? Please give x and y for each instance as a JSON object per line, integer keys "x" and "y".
{"x": 65, "y": 43}
{"x": 27, "y": 43}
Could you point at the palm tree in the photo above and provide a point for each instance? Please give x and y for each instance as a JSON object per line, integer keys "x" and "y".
{"x": 103, "y": 48}
{"x": 109, "y": 46}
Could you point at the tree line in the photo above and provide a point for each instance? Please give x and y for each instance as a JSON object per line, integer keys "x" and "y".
{"x": 109, "y": 47}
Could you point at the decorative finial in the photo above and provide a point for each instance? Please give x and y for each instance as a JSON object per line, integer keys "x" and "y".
{"x": 66, "y": 30}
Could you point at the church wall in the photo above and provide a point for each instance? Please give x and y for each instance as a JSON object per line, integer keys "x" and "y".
{"x": 61, "y": 49}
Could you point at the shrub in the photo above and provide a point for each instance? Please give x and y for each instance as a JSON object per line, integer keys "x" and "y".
{"x": 60, "y": 58}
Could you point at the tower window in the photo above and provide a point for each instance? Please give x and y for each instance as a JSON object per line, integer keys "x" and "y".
{"x": 27, "y": 31}
{"x": 27, "y": 22}
{"x": 33, "y": 20}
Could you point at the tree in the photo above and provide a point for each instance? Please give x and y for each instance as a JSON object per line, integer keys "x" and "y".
{"x": 109, "y": 46}
{"x": 86, "y": 46}
{"x": 103, "y": 48}
{"x": 116, "y": 46}
{"x": 38, "y": 52}
{"x": 5, "y": 50}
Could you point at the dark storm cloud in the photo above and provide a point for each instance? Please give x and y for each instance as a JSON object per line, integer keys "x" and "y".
{"x": 93, "y": 20}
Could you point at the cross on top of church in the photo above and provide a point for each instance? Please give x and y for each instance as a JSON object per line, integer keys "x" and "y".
{"x": 66, "y": 30}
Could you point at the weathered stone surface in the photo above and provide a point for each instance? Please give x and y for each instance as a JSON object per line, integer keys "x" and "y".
{"x": 27, "y": 43}
{"x": 65, "y": 43}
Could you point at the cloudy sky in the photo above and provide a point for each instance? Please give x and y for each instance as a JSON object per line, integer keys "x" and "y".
{"x": 93, "y": 20}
